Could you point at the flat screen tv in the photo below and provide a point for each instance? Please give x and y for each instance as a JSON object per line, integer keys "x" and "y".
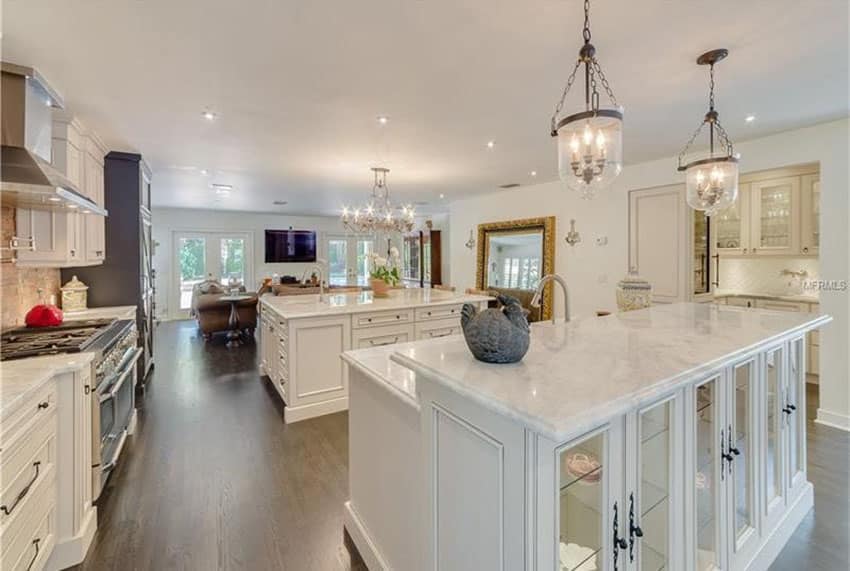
{"x": 290, "y": 246}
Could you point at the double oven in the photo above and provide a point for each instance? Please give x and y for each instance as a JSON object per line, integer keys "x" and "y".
{"x": 113, "y": 399}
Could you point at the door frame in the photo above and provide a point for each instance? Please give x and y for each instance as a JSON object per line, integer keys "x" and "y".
{"x": 350, "y": 253}
{"x": 174, "y": 310}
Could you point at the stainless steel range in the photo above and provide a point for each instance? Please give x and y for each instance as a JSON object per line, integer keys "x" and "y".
{"x": 115, "y": 345}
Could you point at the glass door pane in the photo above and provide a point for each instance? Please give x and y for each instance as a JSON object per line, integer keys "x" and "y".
{"x": 702, "y": 257}
{"x": 776, "y": 203}
{"x": 232, "y": 259}
{"x": 741, "y": 449}
{"x": 815, "y": 221}
{"x": 705, "y": 487}
{"x": 774, "y": 427}
{"x": 337, "y": 261}
{"x": 728, "y": 227}
{"x": 797, "y": 415}
{"x": 191, "y": 256}
{"x": 580, "y": 506}
{"x": 654, "y": 487}
{"x": 365, "y": 248}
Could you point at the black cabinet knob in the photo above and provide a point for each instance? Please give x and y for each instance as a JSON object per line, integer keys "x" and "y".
{"x": 735, "y": 451}
{"x": 44, "y": 404}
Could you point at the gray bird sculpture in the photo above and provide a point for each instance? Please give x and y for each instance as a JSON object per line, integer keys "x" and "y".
{"x": 496, "y": 335}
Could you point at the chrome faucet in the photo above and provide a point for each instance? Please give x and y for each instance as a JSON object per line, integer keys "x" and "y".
{"x": 535, "y": 301}
{"x": 321, "y": 273}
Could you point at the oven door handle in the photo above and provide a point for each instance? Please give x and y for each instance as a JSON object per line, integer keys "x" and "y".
{"x": 122, "y": 377}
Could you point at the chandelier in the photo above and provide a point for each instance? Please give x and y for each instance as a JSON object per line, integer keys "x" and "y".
{"x": 590, "y": 142}
{"x": 712, "y": 182}
{"x": 378, "y": 215}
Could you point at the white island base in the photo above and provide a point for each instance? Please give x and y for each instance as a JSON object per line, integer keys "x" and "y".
{"x": 667, "y": 438}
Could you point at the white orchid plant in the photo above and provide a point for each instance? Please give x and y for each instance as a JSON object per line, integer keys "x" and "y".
{"x": 386, "y": 268}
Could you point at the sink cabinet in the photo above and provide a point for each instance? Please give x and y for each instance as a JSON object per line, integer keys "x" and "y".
{"x": 707, "y": 476}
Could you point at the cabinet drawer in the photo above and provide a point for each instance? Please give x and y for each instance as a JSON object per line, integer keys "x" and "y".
{"x": 382, "y": 318}
{"x": 781, "y": 305}
{"x": 24, "y": 461}
{"x": 436, "y": 329}
{"x": 40, "y": 405}
{"x": 740, "y": 301}
{"x": 28, "y": 540}
{"x": 379, "y": 336}
{"x": 438, "y": 312}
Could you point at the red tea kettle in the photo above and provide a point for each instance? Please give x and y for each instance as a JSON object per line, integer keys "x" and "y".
{"x": 44, "y": 315}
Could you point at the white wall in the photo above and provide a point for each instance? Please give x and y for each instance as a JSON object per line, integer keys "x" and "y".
{"x": 592, "y": 270}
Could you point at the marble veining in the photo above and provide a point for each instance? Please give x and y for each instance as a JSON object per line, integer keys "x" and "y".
{"x": 376, "y": 363}
{"x": 297, "y": 306}
{"x": 578, "y": 374}
{"x": 20, "y": 378}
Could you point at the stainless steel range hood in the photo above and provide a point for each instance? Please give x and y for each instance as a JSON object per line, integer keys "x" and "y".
{"x": 27, "y": 179}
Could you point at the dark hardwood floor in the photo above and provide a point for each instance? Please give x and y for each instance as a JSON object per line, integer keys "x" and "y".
{"x": 214, "y": 480}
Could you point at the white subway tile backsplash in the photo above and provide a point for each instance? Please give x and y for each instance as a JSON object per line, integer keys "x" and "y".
{"x": 763, "y": 275}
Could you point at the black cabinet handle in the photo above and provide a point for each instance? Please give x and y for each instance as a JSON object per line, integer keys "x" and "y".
{"x": 44, "y": 404}
{"x": 634, "y": 530}
{"x": 792, "y": 407}
{"x": 87, "y": 389}
{"x": 619, "y": 542}
{"x": 34, "y": 557}
{"x": 735, "y": 451}
{"x": 23, "y": 493}
{"x": 787, "y": 410}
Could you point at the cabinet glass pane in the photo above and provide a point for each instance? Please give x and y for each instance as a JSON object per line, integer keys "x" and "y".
{"x": 728, "y": 227}
{"x": 774, "y": 358}
{"x": 742, "y": 469}
{"x": 795, "y": 420}
{"x": 816, "y": 214}
{"x": 775, "y": 216}
{"x": 653, "y": 495}
{"x": 580, "y": 505}
{"x": 701, "y": 253}
{"x": 706, "y": 458}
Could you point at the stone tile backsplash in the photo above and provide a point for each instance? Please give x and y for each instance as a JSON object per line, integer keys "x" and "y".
{"x": 763, "y": 275}
{"x": 19, "y": 286}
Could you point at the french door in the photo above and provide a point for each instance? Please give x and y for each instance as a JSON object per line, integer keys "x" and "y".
{"x": 198, "y": 256}
{"x": 348, "y": 259}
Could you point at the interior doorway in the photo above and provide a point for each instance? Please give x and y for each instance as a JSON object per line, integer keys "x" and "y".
{"x": 348, "y": 259}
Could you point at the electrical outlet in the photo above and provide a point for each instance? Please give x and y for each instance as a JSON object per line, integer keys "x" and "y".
{"x": 602, "y": 240}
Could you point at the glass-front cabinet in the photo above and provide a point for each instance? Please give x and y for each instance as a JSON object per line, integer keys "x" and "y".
{"x": 731, "y": 227}
{"x": 775, "y": 205}
{"x": 810, "y": 212}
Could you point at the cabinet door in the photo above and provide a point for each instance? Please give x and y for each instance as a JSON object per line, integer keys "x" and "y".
{"x": 57, "y": 237}
{"x": 775, "y": 206}
{"x": 795, "y": 415}
{"x": 706, "y": 475}
{"x": 590, "y": 513}
{"x": 740, "y": 463}
{"x": 810, "y": 214}
{"x": 654, "y": 532}
{"x": 95, "y": 225}
{"x": 773, "y": 426}
{"x": 731, "y": 228}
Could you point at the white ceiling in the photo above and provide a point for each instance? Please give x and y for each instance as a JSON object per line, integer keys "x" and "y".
{"x": 298, "y": 85}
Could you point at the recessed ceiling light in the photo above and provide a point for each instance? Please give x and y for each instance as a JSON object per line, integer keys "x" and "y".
{"x": 533, "y": 173}
{"x": 383, "y": 119}
{"x": 442, "y": 195}
{"x": 209, "y": 115}
{"x": 750, "y": 118}
{"x": 205, "y": 172}
{"x": 491, "y": 144}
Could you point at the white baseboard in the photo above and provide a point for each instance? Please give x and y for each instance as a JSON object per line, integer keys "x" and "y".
{"x": 368, "y": 551}
{"x": 833, "y": 419}
{"x": 297, "y": 413}
{"x": 71, "y": 551}
{"x": 783, "y": 531}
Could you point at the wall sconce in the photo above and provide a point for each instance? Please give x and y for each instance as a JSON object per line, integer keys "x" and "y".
{"x": 573, "y": 237}
{"x": 471, "y": 242}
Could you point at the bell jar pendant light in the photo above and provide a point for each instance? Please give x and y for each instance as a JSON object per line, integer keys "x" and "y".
{"x": 590, "y": 142}
{"x": 712, "y": 182}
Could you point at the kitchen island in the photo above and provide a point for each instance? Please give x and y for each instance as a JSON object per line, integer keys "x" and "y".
{"x": 303, "y": 336}
{"x": 666, "y": 438}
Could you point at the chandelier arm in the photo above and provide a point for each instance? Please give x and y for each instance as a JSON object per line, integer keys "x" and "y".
{"x": 605, "y": 85}
{"x": 560, "y": 104}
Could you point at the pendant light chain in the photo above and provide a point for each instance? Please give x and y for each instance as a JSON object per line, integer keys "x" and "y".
{"x": 711, "y": 88}
{"x": 560, "y": 106}
{"x": 586, "y": 32}
{"x": 714, "y": 124}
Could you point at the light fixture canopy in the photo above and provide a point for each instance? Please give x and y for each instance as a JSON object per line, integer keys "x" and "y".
{"x": 711, "y": 183}
{"x": 590, "y": 142}
{"x": 379, "y": 214}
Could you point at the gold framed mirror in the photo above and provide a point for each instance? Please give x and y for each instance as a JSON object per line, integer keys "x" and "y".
{"x": 512, "y": 257}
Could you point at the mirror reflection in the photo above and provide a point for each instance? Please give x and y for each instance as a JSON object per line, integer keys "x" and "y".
{"x": 514, "y": 259}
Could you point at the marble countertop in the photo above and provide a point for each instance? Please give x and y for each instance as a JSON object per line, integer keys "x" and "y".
{"x": 378, "y": 366}
{"x": 20, "y": 378}
{"x": 297, "y": 306}
{"x": 116, "y": 312}
{"x": 578, "y": 374}
{"x": 768, "y": 296}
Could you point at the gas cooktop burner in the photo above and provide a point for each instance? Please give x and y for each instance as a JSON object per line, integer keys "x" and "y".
{"x": 70, "y": 337}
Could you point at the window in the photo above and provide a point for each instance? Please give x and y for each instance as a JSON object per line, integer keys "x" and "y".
{"x": 520, "y": 273}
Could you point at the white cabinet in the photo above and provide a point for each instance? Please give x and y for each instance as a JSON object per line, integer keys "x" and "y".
{"x": 68, "y": 238}
{"x": 810, "y": 213}
{"x": 437, "y": 328}
{"x": 379, "y": 336}
{"x": 775, "y": 207}
{"x": 731, "y": 228}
